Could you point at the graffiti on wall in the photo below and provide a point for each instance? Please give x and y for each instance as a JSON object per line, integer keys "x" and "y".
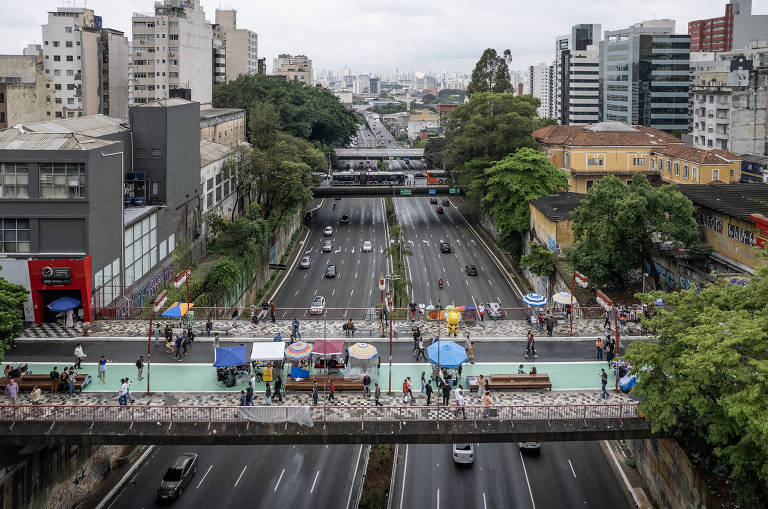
{"x": 148, "y": 291}
{"x": 82, "y": 483}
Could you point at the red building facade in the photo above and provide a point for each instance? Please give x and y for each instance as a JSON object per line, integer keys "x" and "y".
{"x": 52, "y": 279}
{"x": 713, "y": 34}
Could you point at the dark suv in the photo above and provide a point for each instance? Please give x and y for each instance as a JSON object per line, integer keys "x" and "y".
{"x": 177, "y": 476}
{"x": 445, "y": 247}
{"x": 330, "y": 271}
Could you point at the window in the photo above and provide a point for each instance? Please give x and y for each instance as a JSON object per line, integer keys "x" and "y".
{"x": 56, "y": 58}
{"x": 140, "y": 153}
{"x": 669, "y": 166}
{"x": 156, "y": 153}
{"x": 685, "y": 171}
{"x": 677, "y": 169}
{"x": 62, "y": 180}
{"x": 68, "y": 30}
{"x": 14, "y": 235}
{"x": 69, "y": 58}
{"x": 58, "y": 101}
{"x": 14, "y": 180}
{"x": 57, "y": 72}
{"x": 715, "y": 174}
{"x": 590, "y": 183}
{"x": 68, "y": 44}
{"x": 209, "y": 185}
{"x": 70, "y": 100}
{"x": 567, "y": 159}
{"x": 55, "y": 44}
{"x": 695, "y": 175}
{"x": 732, "y": 173}
{"x": 70, "y": 72}
{"x": 653, "y": 164}
{"x": 595, "y": 161}
{"x": 209, "y": 200}
{"x": 140, "y": 241}
{"x": 639, "y": 161}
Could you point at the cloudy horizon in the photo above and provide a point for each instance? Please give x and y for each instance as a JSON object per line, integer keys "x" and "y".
{"x": 381, "y": 37}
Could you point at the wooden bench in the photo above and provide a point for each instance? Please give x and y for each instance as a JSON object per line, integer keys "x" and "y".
{"x": 43, "y": 381}
{"x": 339, "y": 383}
{"x": 514, "y": 382}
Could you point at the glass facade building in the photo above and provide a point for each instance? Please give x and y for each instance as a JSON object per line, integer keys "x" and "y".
{"x": 644, "y": 80}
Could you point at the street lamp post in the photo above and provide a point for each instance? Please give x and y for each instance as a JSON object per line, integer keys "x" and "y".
{"x": 583, "y": 282}
{"x": 157, "y": 305}
{"x": 390, "y": 309}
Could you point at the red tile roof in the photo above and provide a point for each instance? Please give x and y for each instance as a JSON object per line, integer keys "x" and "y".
{"x": 697, "y": 155}
{"x": 604, "y": 135}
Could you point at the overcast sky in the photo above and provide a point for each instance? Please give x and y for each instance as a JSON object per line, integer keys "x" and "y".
{"x": 384, "y": 35}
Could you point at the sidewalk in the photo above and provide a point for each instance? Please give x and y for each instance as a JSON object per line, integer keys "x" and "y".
{"x": 312, "y": 329}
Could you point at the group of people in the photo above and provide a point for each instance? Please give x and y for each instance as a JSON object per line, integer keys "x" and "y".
{"x": 63, "y": 380}
{"x": 545, "y": 320}
{"x": 178, "y": 346}
{"x": 247, "y": 395}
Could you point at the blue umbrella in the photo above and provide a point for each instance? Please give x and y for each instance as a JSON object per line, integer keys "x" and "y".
{"x": 535, "y": 300}
{"x": 64, "y": 304}
{"x": 450, "y": 354}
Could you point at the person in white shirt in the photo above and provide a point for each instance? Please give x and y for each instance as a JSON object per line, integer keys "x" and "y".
{"x": 79, "y": 355}
{"x": 460, "y": 401}
{"x": 252, "y": 381}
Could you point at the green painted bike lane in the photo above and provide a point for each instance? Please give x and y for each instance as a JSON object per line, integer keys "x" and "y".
{"x": 180, "y": 377}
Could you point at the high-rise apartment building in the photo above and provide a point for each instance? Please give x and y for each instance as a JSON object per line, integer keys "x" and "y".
{"x": 644, "y": 72}
{"x": 172, "y": 53}
{"x": 577, "y": 47}
{"x": 240, "y": 46}
{"x": 293, "y": 68}
{"x": 24, "y": 96}
{"x": 732, "y": 31}
{"x": 87, "y": 63}
{"x": 541, "y": 84}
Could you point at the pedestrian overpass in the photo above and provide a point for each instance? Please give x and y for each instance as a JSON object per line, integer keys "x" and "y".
{"x": 328, "y": 191}
{"x": 379, "y": 154}
{"x": 271, "y": 425}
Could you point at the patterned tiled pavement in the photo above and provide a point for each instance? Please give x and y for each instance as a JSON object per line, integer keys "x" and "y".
{"x": 320, "y": 328}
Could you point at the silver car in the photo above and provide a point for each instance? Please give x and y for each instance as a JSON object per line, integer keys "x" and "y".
{"x": 464, "y": 454}
{"x": 367, "y": 247}
{"x": 328, "y": 231}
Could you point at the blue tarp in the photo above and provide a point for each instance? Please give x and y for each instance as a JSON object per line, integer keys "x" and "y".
{"x": 230, "y": 356}
{"x": 64, "y": 304}
{"x": 450, "y": 355}
{"x": 299, "y": 373}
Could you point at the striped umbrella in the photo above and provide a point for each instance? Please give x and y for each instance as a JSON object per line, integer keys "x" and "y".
{"x": 535, "y": 300}
{"x": 298, "y": 350}
{"x": 363, "y": 351}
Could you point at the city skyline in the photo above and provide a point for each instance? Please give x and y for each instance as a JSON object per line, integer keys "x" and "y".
{"x": 455, "y": 44}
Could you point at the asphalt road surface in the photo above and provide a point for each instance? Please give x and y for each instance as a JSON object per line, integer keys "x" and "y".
{"x": 565, "y": 475}
{"x": 311, "y": 477}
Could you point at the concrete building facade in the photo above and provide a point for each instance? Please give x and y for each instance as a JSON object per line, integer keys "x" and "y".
{"x": 241, "y": 46}
{"x": 224, "y": 126}
{"x": 541, "y": 85}
{"x": 293, "y": 68}
{"x": 568, "y": 47}
{"x": 732, "y": 31}
{"x": 583, "y": 86}
{"x": 24, "y": 96}
{"x": 172, "y": 53}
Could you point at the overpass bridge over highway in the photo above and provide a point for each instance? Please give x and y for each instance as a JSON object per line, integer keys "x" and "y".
{"x": 328, "y": 191}
{"x": 379, "y": 154}
{"x": 344, "y": 424}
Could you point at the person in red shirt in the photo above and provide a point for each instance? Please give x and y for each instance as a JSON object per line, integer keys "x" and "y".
{"x": 331, "y": 390}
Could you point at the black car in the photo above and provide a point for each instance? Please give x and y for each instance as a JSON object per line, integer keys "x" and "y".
{"x": 330, "y": 271}
{"x": 445, "y": 247}
{"x": 433, "y": 200}
{"x": 345, "y": 219}
{"x": 470, "y": 270}
{"x": 177, "y": 476}
{"x": 529, "y": 448}
{"x": 439, "y": 210}
{"x": 446, "y": 202}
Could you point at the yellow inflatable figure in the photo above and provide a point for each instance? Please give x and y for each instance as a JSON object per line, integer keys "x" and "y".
{"x": 453, "y": 319}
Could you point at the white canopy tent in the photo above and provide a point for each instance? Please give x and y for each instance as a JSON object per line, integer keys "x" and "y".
{"x": 267, "y": 351}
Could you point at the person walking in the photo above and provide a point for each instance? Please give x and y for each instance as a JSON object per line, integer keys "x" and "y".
{"x": 366, "y": 386}
{"x": 156, "y": 333}
{"x": 140, "y": 367}
{"x": 331, "y": 390}
{"x": 377, "y": 395}
{"x": 103, "y": 368}
{"x": 272, "y": 310}
{"x": 622, "y": 321}
{"x": 279, "y": 388}
{"x": 55, "y": 375}
{"x": 428, "y": 391}
{"x": 607, "y": 317}
{"x": 422, "y": 307}
{"x": 296, "y": 328}
{"x": 208, "y": 327}
{"x": 410, "y": 390}
{"x": 243, "y": 399}
{"x": 531, "y": 347}
{"x": 234, "y": 317}
{"x": 480, "y": 386}
{"x": 405, "y": 391}
{"x": 550, "y": 324}
{"x": 177, "y": 350}
{"x": 378, "y": 364}
{"x": 446, "y": 393}
{"x": 122, "y": 394}
{"x": 413, "y": 308}
{"x": 268, "y": 395}
{"x": 423, "y": 382}
{"x": 79, "y": 355}
{"x": 609, "y": 351}
{"x": 421, "y": 351}
{"x": 71, "y": 377}
{"x": 487, "y": 402}
{"x": 604, "y": 382}
{"x": 481, "y": 312}
{"x": 248, "y": 396}
{"x": 12, "y": 391}
{"x": 599, "y": 348}
{"x": 541, "y": 322}
{"x": 470, "y": 353}
{"x": 315, "y": 393}
{"x": 460, "y": 402}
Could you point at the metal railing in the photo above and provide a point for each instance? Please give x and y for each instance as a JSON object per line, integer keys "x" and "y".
{"x": 325, "y": 414}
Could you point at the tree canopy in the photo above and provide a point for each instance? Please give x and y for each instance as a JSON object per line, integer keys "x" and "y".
{"x": 523, "y": 176}
{"x": 12, "y": 298}
{"x": 491, "y": 73}
{"x": 540, "y": 260}
{"x": 703, "y": 378}
{"x": 615, "y": 227}
{"x": 434, "y": 153}
{"x": 310, "y": 113}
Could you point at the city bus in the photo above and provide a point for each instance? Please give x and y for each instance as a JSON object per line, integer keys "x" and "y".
{"x": 344, "y": 178}
{"x": 378, "y": 178}
{"x": 436, "y": 177}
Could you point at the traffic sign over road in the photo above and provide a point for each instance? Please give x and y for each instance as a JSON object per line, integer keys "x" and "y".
{"x": 432, "y": 191}
{"x": 454, "y": 190}
{"x": 277, "y": 266}
{"x": 406, "y": 192}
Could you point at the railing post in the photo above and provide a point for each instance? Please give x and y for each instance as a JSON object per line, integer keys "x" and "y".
{"x": 621, "y": 415}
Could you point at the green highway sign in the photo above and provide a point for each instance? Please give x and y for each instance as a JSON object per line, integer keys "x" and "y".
{"x": 406, "y": 192}
{"x": 454, "y": 190}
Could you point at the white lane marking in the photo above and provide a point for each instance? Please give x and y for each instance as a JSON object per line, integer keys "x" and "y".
{"x": 485, "y": 505}
{"x": 314, "y": 482}
{"x": 297, "y": 292}
{"x": 278, "y": 481}
{"x": 305, "y": 276}
{"x": 466, "y": 282}
{"x": 354, "y": 475}
{"x": 621, "y": 471}
{"x": 333, "y": 292}
{"x": 352, "y": 292}
{"x": 355, "y": 275}
{"x": 206, "y": 475}
{"x": 572, "y": 470}
{"x": 315, "y": 291}
{"x": 405, "y": 471}
{"x": 438, "y": 498}
{"x": 525, "y": 471}
{"x": 444, "y": 270}
{"x": 489, "y": 282}
{"x": 241, "y": 475}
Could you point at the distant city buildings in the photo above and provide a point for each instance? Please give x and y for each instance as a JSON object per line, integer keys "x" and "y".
{"x": 239, "y": 47}
{"x": 732, "y": 31}
{"x": 577, "y": 74}
{"x": 541, "y": 78}
{"x": 293, "y": 68}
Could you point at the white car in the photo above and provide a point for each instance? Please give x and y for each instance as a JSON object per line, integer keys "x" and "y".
{"x": 328, "y": 231}
{"x": 367, "y": 247}
{"x": 318, "y": 306}
{"x": 464, "y": 454}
